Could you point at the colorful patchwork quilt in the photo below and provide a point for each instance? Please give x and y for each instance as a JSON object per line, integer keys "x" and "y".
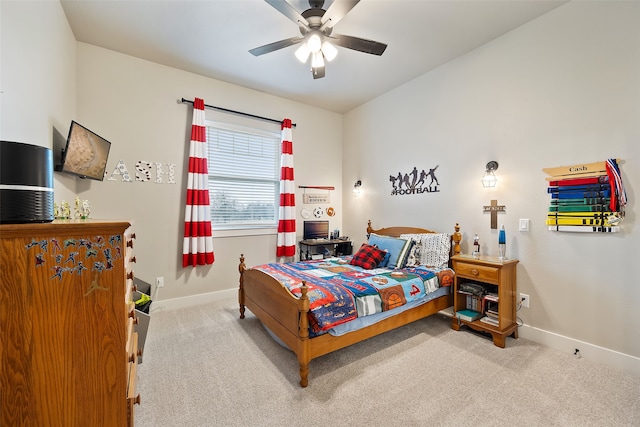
{"x": 340, "y": 292}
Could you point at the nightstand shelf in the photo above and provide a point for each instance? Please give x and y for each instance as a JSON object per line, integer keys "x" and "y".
{"x": 497, "y": 278}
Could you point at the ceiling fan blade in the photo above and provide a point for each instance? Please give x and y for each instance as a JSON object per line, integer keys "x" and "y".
{"x": 318, "y": 72}
{"x": 257, "y": 51}
{"x": 287, "y": 10}
{"x": 336, "y": 12}
{"x": 356, "y": 43}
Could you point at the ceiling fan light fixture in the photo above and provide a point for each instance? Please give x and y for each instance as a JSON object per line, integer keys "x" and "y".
{"x": 316, "y": 28}
{"x": 302, "y": 53}
{"x": 329, "y": 51}
{"x": 317, "y": 72}
{"x": 314, "y": 43}
{"x": 317, "y": 61}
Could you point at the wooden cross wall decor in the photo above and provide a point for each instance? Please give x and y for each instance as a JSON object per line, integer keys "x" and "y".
{"x": 494, "y": 208}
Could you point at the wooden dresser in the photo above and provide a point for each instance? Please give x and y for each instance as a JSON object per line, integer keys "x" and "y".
{"x": 67, "y": 342}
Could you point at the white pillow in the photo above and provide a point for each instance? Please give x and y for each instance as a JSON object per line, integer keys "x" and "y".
{"x": 436, "y": 248}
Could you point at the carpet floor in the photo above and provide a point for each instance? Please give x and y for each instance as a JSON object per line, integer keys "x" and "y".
{"x": 203, "y": 366}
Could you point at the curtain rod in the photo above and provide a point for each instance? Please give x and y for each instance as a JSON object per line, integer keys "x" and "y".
{"x": 226, "y": 110}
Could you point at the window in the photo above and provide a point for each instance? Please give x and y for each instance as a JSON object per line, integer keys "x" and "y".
{"x": 244, "y": 179}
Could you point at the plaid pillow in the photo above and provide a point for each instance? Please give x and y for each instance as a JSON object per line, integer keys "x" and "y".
{"x": 367, "y": 257}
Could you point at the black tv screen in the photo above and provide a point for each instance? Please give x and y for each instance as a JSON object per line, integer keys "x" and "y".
{"x": 85, "y": 154}
{"x": 316, "y": 230}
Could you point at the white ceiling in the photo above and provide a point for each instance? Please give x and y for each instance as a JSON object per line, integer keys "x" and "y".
{"x": 212, "y": 38}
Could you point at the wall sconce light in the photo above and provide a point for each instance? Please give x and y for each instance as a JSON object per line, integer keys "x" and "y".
{"x": 356, "y": 188}
{"x": 489, "y": 179}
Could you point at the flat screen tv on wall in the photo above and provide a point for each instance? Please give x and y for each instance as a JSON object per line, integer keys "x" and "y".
{"x": 85, "y": 154}
{"x": 316, "y": 230}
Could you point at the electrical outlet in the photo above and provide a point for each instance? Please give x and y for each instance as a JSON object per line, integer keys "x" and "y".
{"x": 159, "y": 282}
{"x": 524, "y": 298}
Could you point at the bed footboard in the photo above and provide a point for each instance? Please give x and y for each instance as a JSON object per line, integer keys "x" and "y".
{"x": 278, "y": 310}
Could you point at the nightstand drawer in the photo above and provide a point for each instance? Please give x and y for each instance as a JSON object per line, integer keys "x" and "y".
{"x": 477, "y": 272}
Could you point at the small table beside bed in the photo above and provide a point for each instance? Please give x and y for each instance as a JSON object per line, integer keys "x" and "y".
{"x": 402, "y": 274}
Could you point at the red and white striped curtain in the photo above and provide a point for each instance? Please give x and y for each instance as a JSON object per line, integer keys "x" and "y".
{"x": 197, "y": 248}
{"x": 287, "y": 212}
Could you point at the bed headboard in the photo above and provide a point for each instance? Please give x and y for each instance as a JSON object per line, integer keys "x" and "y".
{"x": 456, "y": 237}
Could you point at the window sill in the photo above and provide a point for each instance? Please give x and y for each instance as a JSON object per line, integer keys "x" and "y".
{"x": 241, "y": 232}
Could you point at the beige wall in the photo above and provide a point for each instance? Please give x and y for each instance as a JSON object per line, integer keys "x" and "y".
{"x": 133, "y": 103}
{"x": 37, "y": 77}
{"x": 49, "y": 79}
{"x": 561, "y": 90}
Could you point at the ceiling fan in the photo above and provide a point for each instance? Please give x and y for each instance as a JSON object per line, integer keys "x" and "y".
{"x": 316, "y": 26}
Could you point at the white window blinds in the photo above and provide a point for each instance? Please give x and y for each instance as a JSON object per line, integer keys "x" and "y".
{"x": 243, "y": 176}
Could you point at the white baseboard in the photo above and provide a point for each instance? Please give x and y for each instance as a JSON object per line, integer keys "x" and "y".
{"x": 193, "y": 300}
{"x": 615, "y": 359}
{"x": 594, "y": 353}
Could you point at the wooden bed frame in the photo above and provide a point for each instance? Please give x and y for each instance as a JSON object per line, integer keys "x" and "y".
{"x": 286, "y": 316}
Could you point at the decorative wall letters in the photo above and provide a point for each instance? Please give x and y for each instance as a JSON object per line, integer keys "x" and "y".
{"x": 164, "y": 172}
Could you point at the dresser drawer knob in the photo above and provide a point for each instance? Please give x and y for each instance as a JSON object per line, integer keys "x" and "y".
{"x": 133, "y": 259}
{"x": 136, "y": 400}
{"x": 475, "y": 272}
{"x": 130, "y": 275}
{"x": 129, "y": 243}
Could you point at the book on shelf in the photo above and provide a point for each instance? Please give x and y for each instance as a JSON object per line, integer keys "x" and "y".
{"x": 491, "y": 297}
{"x": 490, "y": 321}
{"x": 468, "y": 315}
{"x": 474, "y": 303}
{"x": 490, "y": 303}
{"x": 491, "y": 313}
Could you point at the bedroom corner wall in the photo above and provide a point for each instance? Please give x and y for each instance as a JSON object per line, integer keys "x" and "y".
{"x": 49, "y": 79}
{"x": 37, "y": 78}
{"x": 563, "y": 89}
{"x": 133, "y": 103}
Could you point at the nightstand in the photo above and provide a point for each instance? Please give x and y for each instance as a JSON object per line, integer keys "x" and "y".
{"x": 495, "y": 305}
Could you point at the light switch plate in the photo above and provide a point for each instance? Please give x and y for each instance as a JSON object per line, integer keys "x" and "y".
{"x": 524, "y": 224}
